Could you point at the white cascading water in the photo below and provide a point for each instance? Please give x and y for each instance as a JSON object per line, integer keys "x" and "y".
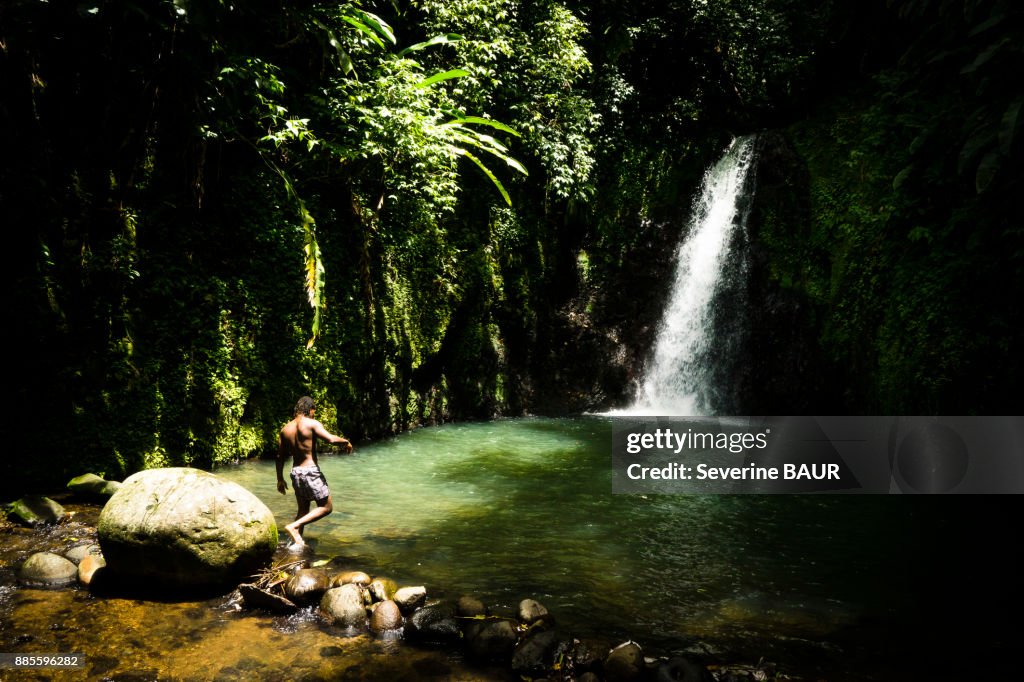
{"x": 677, "y": 378}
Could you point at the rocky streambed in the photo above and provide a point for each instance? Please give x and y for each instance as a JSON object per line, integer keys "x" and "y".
{"x": 309, "y": 618}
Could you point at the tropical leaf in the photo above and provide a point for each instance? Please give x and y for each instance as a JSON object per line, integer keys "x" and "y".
{"x": 443, "y": 39}
{"x": 365, "y": 29}
{"x": 377, "y": 24}
{"x": 487, "y": 172}
{"x": 443, "y": 76}
{"x": 483, "y": 121}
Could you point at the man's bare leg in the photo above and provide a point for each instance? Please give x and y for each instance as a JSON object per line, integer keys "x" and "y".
{"x": 295, "y": 527}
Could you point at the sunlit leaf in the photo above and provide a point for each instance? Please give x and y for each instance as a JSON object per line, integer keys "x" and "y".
{"x": 443, "y": 76}
{"x": 436, "y": 40}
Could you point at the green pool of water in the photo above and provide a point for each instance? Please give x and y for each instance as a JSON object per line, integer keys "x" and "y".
{"x": 523, "y": 508}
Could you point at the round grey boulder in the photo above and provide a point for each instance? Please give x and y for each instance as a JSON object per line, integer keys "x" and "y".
{"x": 185, "y": 527}
{"x": 47, "y": 569}
{"x": 344, "y": 606}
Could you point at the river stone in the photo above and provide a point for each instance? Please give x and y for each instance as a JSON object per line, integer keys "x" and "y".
{"x": 588, "y": 677}
{"x": 34, "y": 510}
{"x": 45, "y": 568}
{"x": 492, "y": 640}
{"x": 434, "y": 624}
{"x": 678, "y": 669}
{"x": 382, "y": 589}
{"x": 88, "y": 566}
{"x": 78, "y": 553}
{"x": 470, "y": 607}
{"x": 185, "y": 527}
{"x": 344, "y": 606}
{"x": 408, "y": 598}
{"x": 535, "y": 653}
{"x": 307, "y": 585}
{"x": 624, "y": 663}
{"x": 357, "y": 577}
{"x": 530, "y": 611}
{"x": 92, "y": 486}
{"x": 386, "y": 616}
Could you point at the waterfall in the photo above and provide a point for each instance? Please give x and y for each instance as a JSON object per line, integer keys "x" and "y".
{"x": 679, "y": 377}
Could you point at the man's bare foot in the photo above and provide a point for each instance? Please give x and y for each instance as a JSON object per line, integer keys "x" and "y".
{"x": 297, "y": 540}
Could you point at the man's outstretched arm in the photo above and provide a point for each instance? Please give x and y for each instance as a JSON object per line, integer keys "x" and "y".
{"x": 320, "y": 431}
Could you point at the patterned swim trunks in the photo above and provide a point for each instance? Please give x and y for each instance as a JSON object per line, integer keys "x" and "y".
{"x": 309, "y": 484}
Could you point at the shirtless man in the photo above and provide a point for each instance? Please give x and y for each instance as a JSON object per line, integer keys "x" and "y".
{"x": 298, "y": 439}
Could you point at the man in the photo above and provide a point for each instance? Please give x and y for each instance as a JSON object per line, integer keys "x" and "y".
{"x": 298, "y": 439}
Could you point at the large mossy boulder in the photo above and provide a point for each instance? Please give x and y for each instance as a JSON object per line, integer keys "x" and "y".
{"x": 186, "y": 528}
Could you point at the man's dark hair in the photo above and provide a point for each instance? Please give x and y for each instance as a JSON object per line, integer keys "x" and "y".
{"x": 304, "y": 406}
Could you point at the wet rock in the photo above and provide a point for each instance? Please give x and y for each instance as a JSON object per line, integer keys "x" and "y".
{"x": 470, "y": 607}
{"x": 185, "y": 527}
{"x": 356, "y": 577}
{"x": 535, "y": 654}
{"x": 88, "y": 566}
{"x": 307, "y": 586}
{"x": 76, "y": 554}
{"x": 382, "y": 589}
{"x": 624, "y": 663}
{"x": 34, "y": 510}
{"x": 588, "y": 677}
{"x": 433, "y": 624}
{"x": 586, "y": 656}
{"x": 49, "y": 569}
{"x": 492, "y": 640}
{"x": 344, "y": 606}
{"x": 256, "y": 598}
{"x": 409, "y": 598}
{"x": 91, "y": 486}
{"x": 386, "y": 616}
{"x": 533, "y": 615}
{"x": 678, "y": 669}
{"x": 530, "y": 611}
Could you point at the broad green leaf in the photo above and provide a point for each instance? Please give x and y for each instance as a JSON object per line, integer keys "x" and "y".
{"x": 484, "y": 121}
{"x": 443, "y": 39}
{"x": 378, "y": 25}
{"x": 365, "y": 29}
{"x": 443, "y": 76}
{"x": 487, "y": 172}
